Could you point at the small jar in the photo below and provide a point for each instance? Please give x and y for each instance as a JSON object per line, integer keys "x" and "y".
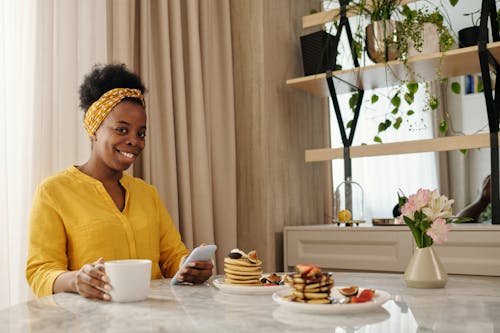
{"x": 349, "y": 196}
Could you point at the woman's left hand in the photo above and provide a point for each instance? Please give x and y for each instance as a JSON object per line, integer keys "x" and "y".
{"x": 197, "y": 272}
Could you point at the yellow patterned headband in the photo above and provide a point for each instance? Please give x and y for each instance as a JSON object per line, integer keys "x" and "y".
{"x": 100, "y": 109}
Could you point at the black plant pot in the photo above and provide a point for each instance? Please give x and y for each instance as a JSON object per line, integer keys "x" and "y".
{"x": 468, "y": 36}
{"x": 318, "y": 52}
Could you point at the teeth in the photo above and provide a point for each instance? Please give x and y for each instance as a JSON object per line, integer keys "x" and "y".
{"x": 129, "y": 155}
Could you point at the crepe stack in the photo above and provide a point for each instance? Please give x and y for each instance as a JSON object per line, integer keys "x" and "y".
{"x": 310, "y": 285}
{"x": 242, "y": 269}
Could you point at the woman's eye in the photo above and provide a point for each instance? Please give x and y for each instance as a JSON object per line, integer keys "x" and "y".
{"x": 121, "y": 130}
{"x": 142, "y": 135}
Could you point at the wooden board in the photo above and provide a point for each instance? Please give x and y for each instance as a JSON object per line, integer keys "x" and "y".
{"x": 454, "y": 63}
{"x": 406, "y": 147}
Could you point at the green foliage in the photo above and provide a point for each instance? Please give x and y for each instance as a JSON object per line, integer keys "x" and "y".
{"x": 455, "y": 88}
{"x": 410, "y": 31}
{"x": 443, "y": 126}
{"x": 433, "y": 102}
{"x": 374, "y": 98}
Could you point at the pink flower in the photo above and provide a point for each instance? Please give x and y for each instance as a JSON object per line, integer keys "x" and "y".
{"x": 438, "y": 231}
{"x": 415, "y": 202}
{"x": 420, "y": 199}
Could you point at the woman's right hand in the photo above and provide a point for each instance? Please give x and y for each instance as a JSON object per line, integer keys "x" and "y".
{"x": 486, "y": 190}
{"x": 92, "y": 282}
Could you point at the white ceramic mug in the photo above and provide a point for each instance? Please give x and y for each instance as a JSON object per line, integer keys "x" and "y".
{"x": 129, "y": 279}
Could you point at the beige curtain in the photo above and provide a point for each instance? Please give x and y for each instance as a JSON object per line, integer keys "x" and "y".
{"x": 182, "y": 50}
{"x": 216, "y": 73}
{"x": 275, "y": 125}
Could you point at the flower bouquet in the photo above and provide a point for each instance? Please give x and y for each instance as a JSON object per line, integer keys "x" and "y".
{"x": 428, "y": 215}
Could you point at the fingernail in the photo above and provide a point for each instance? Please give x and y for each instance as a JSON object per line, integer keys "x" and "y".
{"x": 191, "y": 264}
{"x": 107, "y": 287}
{"x": 106, "y": 297}
{"x": 105, "y": 278}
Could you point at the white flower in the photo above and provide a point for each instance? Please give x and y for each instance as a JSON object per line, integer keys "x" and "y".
{"x": 438, "y": 207}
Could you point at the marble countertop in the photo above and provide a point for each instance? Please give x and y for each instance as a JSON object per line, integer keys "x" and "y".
{"x": 466, "y": 304}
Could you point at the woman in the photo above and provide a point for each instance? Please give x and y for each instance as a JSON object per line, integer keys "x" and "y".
{"x": 95, "y": 212}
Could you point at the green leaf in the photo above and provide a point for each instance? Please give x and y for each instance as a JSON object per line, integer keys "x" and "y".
{"x": 433, "y": 103}
{"x": 381, "y": 127}
{"x": 412, "y": 88}
{"x": 410, "y": 112}
{"x": 374, "y": 98}
{"x": 453, "y": 2}
{"x": 443, "y": 126}
{"x": 377, "y": 139}
{"x": 395, "y": 111}
{"x": 464, "y": 152}
{"x": 353, "y": 101}
{"x": 480, "y": 87}
{"x": 409, "y": 98}
{"x": 455, "y": 88}
{"x": 349, "y": 124}
{"x": 398, "y": 122}
{"x": 396, "y": 101}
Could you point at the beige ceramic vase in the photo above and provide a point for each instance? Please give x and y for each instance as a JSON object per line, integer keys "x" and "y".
{"x": 425, "y": 270}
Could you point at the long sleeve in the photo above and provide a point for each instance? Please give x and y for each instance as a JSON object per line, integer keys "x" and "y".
{"x": 47, "y": 245}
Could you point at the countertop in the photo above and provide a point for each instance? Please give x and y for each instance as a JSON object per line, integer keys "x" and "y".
{"x": 466, "y": 304}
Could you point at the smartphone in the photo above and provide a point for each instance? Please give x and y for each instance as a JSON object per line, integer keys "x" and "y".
{"x": 204, "y": 252}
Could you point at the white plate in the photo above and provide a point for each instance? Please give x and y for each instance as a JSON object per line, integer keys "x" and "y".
{"x": 248, "y": 290}
{"x": 379, "y": 298}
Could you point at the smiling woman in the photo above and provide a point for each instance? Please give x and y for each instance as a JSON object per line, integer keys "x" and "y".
{"x": 95, "y": 211}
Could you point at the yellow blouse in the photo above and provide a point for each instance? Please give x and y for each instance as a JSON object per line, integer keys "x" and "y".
{"x": 75, "y": 221}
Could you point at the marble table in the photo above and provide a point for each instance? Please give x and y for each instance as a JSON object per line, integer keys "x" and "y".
{"x": 467, "y": 304}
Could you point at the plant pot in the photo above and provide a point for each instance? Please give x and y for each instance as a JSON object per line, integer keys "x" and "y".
{"x": 425, "y": 270}
{"x": 430, "y": 41}
{"x": 318, "y": 52}
{"x": 468, "y": 36}
{"x": 381, "y": 41}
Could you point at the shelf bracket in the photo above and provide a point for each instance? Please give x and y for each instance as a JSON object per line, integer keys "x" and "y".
{"x": 346, "y": 140}
{"x": 488, "y": 11}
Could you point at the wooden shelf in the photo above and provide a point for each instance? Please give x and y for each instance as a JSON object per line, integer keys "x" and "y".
{"x": 320, "y": 18}
{"x": 454, "y": 63}
{"x": 406, "y": 147}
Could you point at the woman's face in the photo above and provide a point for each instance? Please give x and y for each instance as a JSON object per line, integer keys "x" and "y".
{"x": 121, "y": 136}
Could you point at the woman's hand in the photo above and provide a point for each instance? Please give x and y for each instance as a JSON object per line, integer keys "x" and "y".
{"x": 486, "y": 190}
{"x": 92, "y": 282}
{"x": 197, "y": 272}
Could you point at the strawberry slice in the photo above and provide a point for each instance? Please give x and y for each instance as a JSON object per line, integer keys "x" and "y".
{"x": 365, "y": 296}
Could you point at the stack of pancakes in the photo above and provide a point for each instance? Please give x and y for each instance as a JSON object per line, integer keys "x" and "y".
{"x": 310, "y": 285}
{"x": 242, "y": 269}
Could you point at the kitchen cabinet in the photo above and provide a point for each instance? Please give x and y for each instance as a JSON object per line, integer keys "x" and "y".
{"x": 471, "y": 249}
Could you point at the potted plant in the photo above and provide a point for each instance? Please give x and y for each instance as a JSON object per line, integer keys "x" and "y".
{"x": 381, "y": 32}
{"x": 423, "y": 31}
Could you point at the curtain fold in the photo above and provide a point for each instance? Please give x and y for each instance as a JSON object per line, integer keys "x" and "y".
{"x": 50, "y": 46}
{"x": 180, "y": 49}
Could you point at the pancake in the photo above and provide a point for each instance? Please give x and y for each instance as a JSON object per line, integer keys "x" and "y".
{"x": 243, "y": 273}
{"x": 242, "y": 262}
{"x": 310, "y": 285}
{"x": 310, "y": 295}
{"x": 241, "y": 268}
{"x": 243, "y": 283}
{"x": 242, "y": 277}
